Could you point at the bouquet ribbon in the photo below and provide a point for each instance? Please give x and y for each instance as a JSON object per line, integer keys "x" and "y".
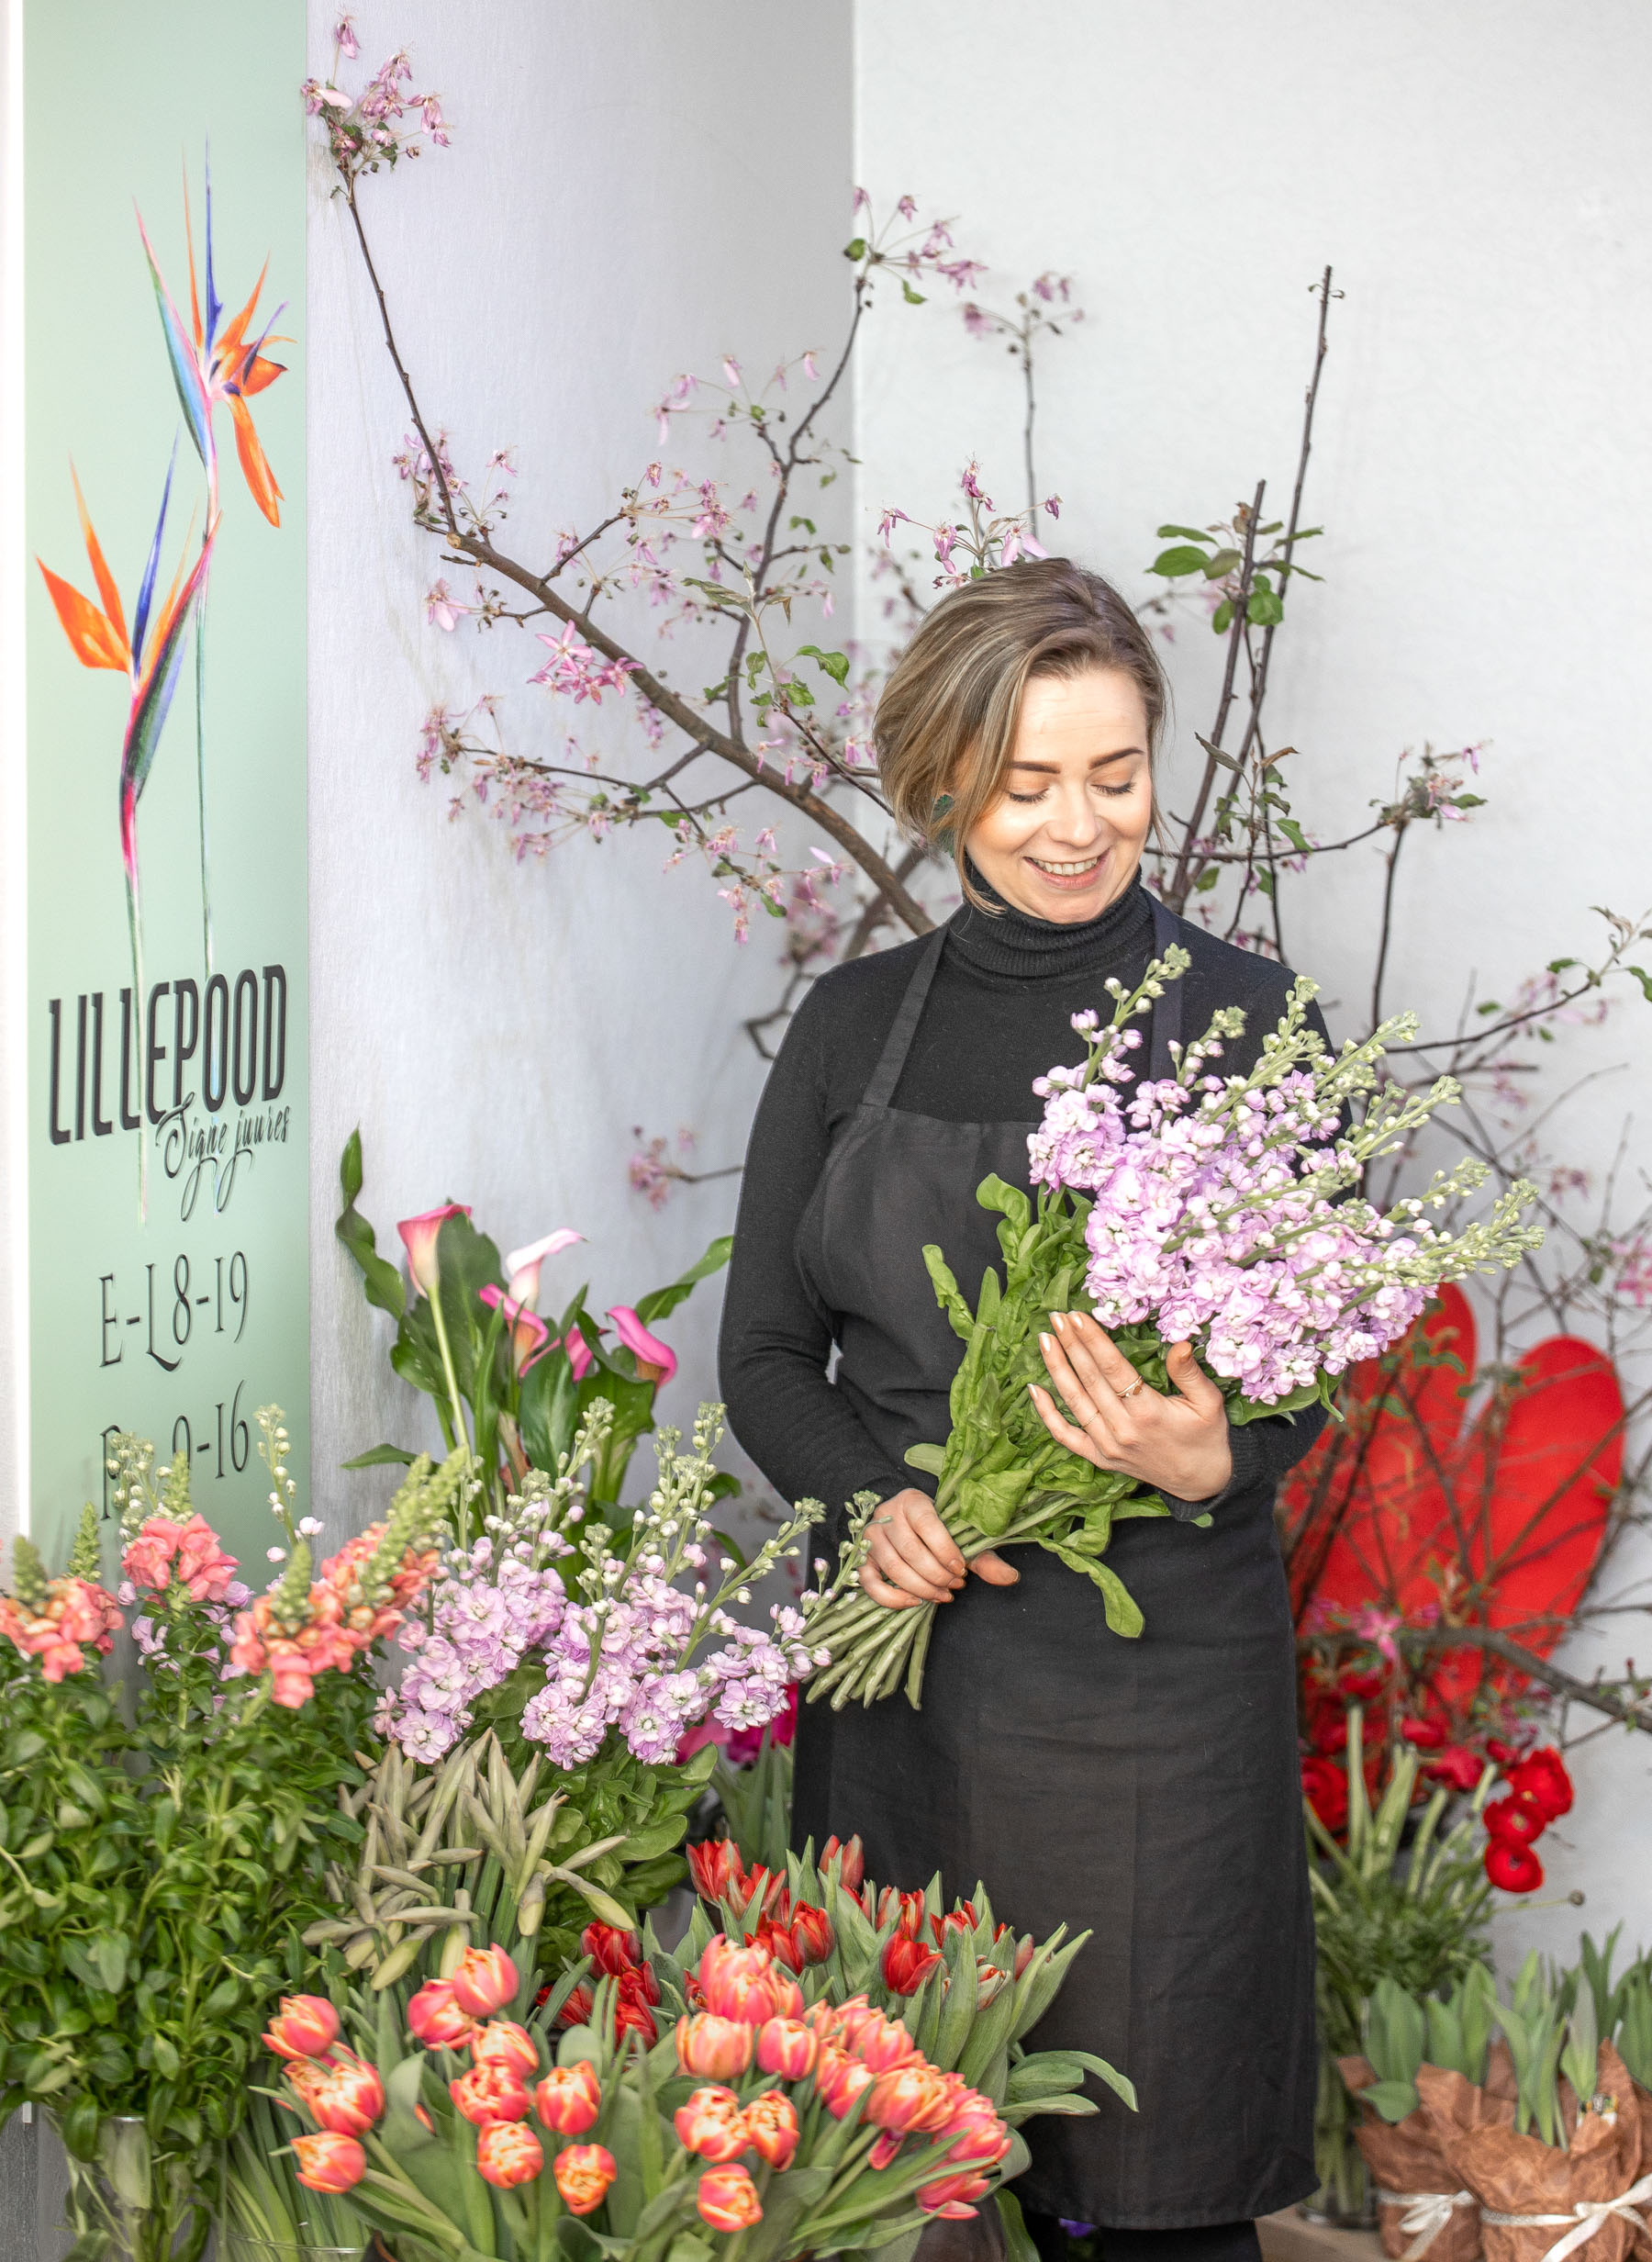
{"x": 1426, "y": 2215}
{"x": 1587, "y": 2217}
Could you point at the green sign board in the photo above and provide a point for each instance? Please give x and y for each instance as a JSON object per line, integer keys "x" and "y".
{"x": 164, "y": 163}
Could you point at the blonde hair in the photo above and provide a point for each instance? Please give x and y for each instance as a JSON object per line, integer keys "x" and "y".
{"x": 947, "y": 720}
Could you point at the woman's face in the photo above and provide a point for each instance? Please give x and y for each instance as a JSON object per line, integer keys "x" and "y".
{"x": 1064, "y": 837}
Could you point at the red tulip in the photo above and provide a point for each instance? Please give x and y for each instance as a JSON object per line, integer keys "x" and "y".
{"x": 910, "y": 2100}
{"x": 811, "y": 1934}
{"x": 1541, "y": 1776}
{"x": 1513, "y": 1868}
{"x": 436, "y": 2019}
{"x": 1358, "y": 1688}
{"x": 951, "y": 2197}
{"x": 569, "y": 2099}
{"x": 744, "y": 1982}
{"x": 885, "y": 2151}
{"x": 483, "y": 1981}
{"x": 771, "y": 2120}
{"x": 507, "y": 2154}
{"x": 715, "y": 1867}
{"x": 348, "y": 2099}
{"x": 712, "y": 2125}
{"x": 490, "y": 2093}
{"x": 632, "y": 2015}
{"x": 577, "y": 2011}
{"x": 910, "y": 1906}
{"x": 852, "y": 1868}
{"x": 728, "y": 2199}
{"x": 787, "y": 2048}
{"x": 611, "y": 1951}
{"x": 330, "y": 2163}
{"x": 907, "y": 1965}
{"x": 307, "y": 2026}
{"x": 959, "y": 1919}
{"x": 656, "y": 1362}
{"x": 583, "y": 2174}
{"x": 422, "y": 1233}
{"x": 1514, "y": 1821}
{"x": 718, "y": 2047}
{"x": 502, "y": 2043}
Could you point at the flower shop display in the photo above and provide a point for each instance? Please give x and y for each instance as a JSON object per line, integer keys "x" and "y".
{"x": 793, "y": 2128}
{"x": 1221, "y": 1212}
{"x": 155, "y": 1870}
{"x": 468, "y": 1334}
{"x": 1417, "y": 2198}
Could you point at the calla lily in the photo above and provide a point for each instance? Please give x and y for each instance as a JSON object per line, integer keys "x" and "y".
{"x": 422, "y": 1233}
{"x": 656, "y": 1362}
{"x": 530, "y": 1337}
{"x": 522, "y": 1265}
{"x": 579, "y": 1357}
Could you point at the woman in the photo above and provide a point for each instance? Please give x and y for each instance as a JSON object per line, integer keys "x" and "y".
{"x": 1147, "y": 1790}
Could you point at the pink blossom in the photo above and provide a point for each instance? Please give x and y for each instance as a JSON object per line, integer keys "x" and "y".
{"x": 420, "y": 1234}
{"x": 579, "y": 1357}
{"x": 530, "y": 1338}
{"x": 522, "y": 1265}
{"x": 442, "y": 609}
{"x": 656, "y": 1362}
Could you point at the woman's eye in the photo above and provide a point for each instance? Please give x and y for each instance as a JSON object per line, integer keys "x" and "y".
{"x": 1114, "y": 791}
{"x": 1028, "y": 797}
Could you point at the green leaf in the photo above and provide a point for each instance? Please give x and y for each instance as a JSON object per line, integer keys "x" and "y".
{"x": 660, "y": 1302}
{"x": 1295, "y": 836}
{"x": 991, "y": 1501}
{"x": 382, "y": 1456}
{"x": 912, "y": 298}
{"x": 1223, "y": 562}
{"x": 381, "y": 1282}
{"x": 1265, "y": 611}
{"x": 1643, "y": 978}
{"x": 856, "y": 248}
{"x": 1176, "y": 562}
{"x": 1222, "y": 620}
{"x": 1189, "y": 534}
{"x": 931, "y": 1459}
{"x": 1393, "y": 2100}
{"x": 835, "y": 664}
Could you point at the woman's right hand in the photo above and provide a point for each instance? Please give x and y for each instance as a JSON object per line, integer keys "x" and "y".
{"x": 914, "y": 1559}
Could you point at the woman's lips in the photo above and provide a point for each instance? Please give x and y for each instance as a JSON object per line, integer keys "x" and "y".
{"x": 1069, "y": 882}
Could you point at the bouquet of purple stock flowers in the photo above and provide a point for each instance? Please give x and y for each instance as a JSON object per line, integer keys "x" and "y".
{"x": 1227, "y": 1212}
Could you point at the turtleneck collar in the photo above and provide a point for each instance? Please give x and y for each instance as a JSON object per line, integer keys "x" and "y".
{"x": 1007, "y": 941}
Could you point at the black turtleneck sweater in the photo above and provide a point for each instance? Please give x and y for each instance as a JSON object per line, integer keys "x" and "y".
{"x": 998, "y": 1014}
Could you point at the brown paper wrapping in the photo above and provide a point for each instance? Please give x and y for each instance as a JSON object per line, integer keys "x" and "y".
{"x": 1405, "y": 2155}
{"x": 1519, "y": 2174}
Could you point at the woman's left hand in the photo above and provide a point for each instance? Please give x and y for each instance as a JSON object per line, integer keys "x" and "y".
{"x": 1177, "y": 1444}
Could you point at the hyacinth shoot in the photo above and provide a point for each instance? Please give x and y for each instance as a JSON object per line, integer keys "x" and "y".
{"x": 1224, "y": 1212}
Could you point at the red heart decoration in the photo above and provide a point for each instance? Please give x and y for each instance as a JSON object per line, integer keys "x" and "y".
{"x": 1502, "y": 1521}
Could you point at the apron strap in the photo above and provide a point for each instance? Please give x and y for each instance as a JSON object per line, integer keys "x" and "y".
{"x": 1167, "y": 1010}
{"x": 898, "y": 1043}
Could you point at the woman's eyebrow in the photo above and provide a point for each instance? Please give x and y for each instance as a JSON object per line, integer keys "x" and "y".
{"x": 1053, "y": 769}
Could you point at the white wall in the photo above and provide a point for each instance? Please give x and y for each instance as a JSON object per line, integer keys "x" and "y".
{"x": 1482, "y": 179}
{"x": 628, "y": 193}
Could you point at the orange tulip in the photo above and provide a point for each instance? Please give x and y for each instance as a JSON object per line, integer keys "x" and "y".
{"x": 507, "y": 2154}
{"x": 583, "y": 2174}
{"x": 490, "y": 2093}
{"x": 770, "y": 2122}
{"x": 502, "y": 2043}
{"x": 787, "y": 2047}
{"x": 569, "y": 2099}
{"x": 436, "y": 2019}
{"x": 485, "y": 1978}
{"x": 712, "y": 2125}
{"x": 307, "y": 2026}
{"x": 910, "y": 2100}
{"x": 728, "y": 2199}
{"x": 708, "y": 2044}
{"x": 330, "y": 2163}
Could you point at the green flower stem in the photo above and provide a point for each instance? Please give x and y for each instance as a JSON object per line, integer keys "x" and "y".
{"x": 457, "y": 1403}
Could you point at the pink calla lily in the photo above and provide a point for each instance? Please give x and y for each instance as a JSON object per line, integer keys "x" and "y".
{"x": 530, "y": 1337}
{"x": 522, "y": 1265}
{"x": 420, "y": 1234}
{"x": 656, "y": 1362}
{"x": 579, "y": 1357}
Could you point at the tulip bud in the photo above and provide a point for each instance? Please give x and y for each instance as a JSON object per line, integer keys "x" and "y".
{"x": 910, "y": 2100}
{"x": 583, "y": 2174}
{"x": 851, "y": 1863}
{"x": 771, "y": 2129}
{"x": 718, "y": 2047}
{"x": 907, "y": 1963}
{"x": 330, "y": 2163}
{"x": 490, "y": 2092}
{"x": 907, "y": 1908}
{"x": 811, "y": 1934}
{"x": 611, "y": 1951}
{"x": 436, "y": 2019}
{"x": 981, "y": 2140}
{"x": 483, "y": 1981}
{"x": 885, "y": 2151}
{"x": 569, "y": 2099}
{"x": 728, "y": 2199}
{"x": 577, "y": 2011}
{"x": 347, "y": 2100}
{"x": 507, "y": 2154}
{"x": 502, "y": 2043}
{"x": 737, "y": 1983}
{"x": 787, "y": 2048}
{"x": 951, "y": 2196}
{"x": 883, "y": 2044}
{"x": 712, "y": 2124}
{"x": 715, "y": 1867}
{"x": 307, "y": 2026}
{"x": 841, "y": 2082}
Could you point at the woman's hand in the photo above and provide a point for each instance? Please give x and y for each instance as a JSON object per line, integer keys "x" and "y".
{"x": 913, "y": 1558}
{"x": 1178, "y": 1445}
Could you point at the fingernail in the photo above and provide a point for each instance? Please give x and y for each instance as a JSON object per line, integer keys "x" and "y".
{"x": 1046, "y": 1342}
{"x": 1059, "y": 1318}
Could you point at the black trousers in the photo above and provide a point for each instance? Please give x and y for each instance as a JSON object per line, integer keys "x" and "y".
{"x": 1213, "y": 2241}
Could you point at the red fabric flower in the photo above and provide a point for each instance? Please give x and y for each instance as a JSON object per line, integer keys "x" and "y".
{"x": 1513, "y": 1868}
{"x": 1427, "y": 1735}
{"x": 1325, "y": 1787}
{"x": 1455, "y": 1766}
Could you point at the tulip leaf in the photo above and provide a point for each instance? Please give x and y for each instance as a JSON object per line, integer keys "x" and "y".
{"x": 381, "y": 1457}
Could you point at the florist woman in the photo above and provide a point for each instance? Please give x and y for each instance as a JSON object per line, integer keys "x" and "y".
{"x": 1145, "y": 1789}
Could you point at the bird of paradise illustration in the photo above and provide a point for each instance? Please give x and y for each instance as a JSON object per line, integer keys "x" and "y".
{"x": 211, "y": 363}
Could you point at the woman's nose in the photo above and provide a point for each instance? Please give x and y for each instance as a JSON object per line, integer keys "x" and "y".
{"x": 1074, "y": 821}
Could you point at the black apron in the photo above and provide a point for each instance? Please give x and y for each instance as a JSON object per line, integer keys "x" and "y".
{"x": 1147, "y": 1791}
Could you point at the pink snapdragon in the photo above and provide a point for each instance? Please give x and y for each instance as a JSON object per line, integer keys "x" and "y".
{"x": 191, "y": 1554}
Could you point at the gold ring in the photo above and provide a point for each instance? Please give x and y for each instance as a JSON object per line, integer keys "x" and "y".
{"x": 1132, "y": 1391}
